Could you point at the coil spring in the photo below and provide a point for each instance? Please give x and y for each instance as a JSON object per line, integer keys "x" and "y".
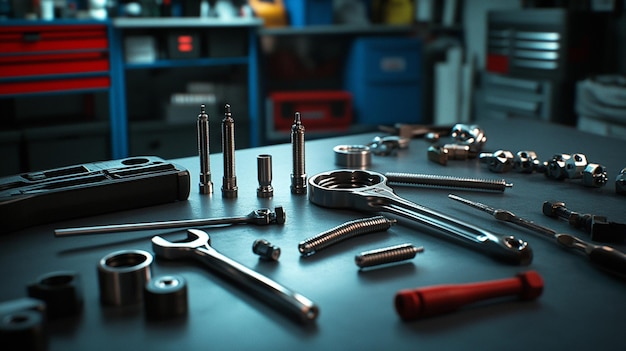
{"x": 344, "y": 231}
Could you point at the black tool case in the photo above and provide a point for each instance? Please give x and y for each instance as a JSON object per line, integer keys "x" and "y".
{"x": 89, "y": 189}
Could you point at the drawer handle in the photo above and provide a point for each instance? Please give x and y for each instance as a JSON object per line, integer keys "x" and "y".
{"x": 32, "y": 37}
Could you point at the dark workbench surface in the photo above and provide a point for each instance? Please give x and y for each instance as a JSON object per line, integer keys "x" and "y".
{"x": 581, "y": 307}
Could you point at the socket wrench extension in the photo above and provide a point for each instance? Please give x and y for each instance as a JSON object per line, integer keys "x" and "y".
{"x": 262, "y": 216}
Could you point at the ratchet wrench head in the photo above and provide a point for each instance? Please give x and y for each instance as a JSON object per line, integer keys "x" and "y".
{"x": 335, "y": 189}
{"x": 174, "y": 250}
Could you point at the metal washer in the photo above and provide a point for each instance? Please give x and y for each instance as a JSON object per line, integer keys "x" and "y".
{"x": 353, "y": 156}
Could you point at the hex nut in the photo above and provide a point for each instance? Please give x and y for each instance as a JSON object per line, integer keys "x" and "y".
{"x": 500, "y": 161}
{"x": 620, "y": 182}
{"x": 555, "y": 168}
{"x": 594, "y": 175}
{"x": 575, "y": 165}
{"x": 525, "y": 161}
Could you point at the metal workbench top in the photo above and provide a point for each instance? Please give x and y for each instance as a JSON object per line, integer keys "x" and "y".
{"x": 581, "y": 308}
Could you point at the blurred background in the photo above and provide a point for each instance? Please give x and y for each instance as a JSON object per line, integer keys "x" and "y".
{"x": 90, "y": 80}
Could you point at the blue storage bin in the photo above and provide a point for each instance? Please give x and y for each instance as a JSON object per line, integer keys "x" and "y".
{"x": 309, "y": 12}
{"x": 385, "y": 78}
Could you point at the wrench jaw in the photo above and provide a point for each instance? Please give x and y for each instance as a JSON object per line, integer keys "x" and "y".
{"x": 175, "y": 250}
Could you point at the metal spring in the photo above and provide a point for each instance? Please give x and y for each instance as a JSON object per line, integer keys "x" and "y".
{"x": 387, "y": 255}
{"x": 344, "y": 231}
{"x": 448, "y": 181}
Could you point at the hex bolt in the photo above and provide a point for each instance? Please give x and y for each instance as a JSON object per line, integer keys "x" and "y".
{"x": 386, "y": 255}
{"x": 266, "y": 250}
{"x": 620, "y": 182}
{"x": 264, "y": 175}
{"x": 412, "y": 304}
{"x": 298, "y": 176}
{"x": 575, "y": 165}
{"x": 500, "y": 161}
{"x": 470, "y": 135}
{"x": 594, "y": 176}
{"x": 598, "y": 227}
{"x": 525, "y": 161}
{"x": 555, "y": 167}
{"x": 229, "y": 180}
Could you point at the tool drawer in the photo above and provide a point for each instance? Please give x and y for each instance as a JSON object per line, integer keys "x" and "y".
{"x": 45, "y": 58}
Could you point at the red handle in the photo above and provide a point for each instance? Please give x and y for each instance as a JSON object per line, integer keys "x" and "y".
{"x": 430, "y": 301}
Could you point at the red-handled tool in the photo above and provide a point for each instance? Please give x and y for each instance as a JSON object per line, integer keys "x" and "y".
{"x": 413, "y": 304}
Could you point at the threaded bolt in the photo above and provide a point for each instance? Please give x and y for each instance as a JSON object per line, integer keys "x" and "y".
{"x": 298, "y": 177}
{"x": 448, "y": 181}
{"x": 266, "y": 250}
{"x": 387, "y": 255}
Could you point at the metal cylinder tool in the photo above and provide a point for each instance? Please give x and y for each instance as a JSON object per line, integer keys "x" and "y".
{"x": 430, "y": 301}
{"x": 197, "y": 245}
{"x": 298, "y": 176}
{"x": 368, "y": 191}
{"x": 264, "y": 175}
{"x": 229, "y": 180}
{"x": 262, "y": 216}
{"x": 206, "y": 185}
{"x": 352, "y": 156}
{"x": 122, "y": 276}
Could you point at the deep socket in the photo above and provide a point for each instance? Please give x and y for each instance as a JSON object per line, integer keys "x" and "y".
{"x": 264, "y": 174}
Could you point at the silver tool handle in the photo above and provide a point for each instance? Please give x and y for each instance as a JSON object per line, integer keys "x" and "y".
{"x": 270, "y": 291}
{"x": 506, "y": 248}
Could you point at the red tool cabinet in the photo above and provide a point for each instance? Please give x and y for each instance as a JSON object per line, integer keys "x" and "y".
{"x": 56, "y": 57}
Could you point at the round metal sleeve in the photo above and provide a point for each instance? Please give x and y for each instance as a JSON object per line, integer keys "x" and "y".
{"x": 352, "y": 156}
{"x": 24, "y": 330}
{"x": 122, "y": 276}
{"x": 61, "y": 291}
{"x": 165, "y": 297}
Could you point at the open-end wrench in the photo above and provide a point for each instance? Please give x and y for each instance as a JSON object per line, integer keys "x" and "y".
{"x": 263, "y": 216}
{"x": 197, "y": 245}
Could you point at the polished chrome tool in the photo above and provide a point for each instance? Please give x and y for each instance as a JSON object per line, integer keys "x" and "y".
{"x": 198, "y": 245}
{"x": 604, "y": 257}
{"x": 368, "y": 191}
{"x": 229, "y": 180}
{"x": 352, "y": 156}
{"x": 206, "y": 185}
{"x": 298, "y": 176}
{"x": 261, "y": 216}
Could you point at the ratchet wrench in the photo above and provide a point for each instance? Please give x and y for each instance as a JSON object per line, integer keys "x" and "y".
{"x": 368, "y": 191}
{"x": 198, "y": 245}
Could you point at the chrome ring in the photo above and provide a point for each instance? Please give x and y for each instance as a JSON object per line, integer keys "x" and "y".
{"x": 353, "y": 156}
